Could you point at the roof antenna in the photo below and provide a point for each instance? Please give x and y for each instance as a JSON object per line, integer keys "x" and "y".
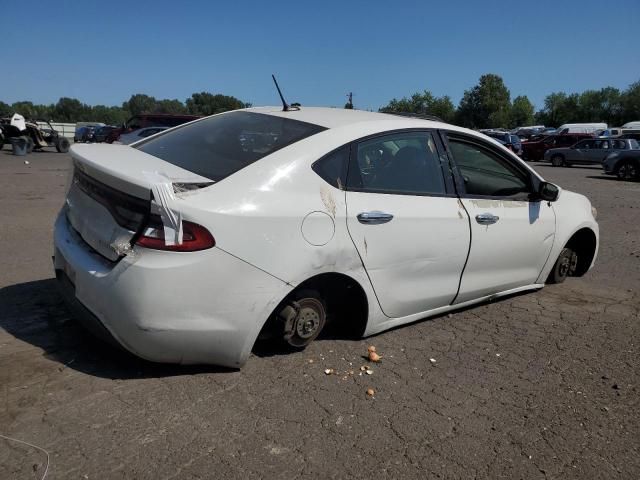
{"x": 285, "y": 105}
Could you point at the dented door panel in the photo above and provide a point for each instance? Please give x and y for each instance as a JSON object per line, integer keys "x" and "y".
{"x": 509, "y": 253}
{"x": 414, "y": 260}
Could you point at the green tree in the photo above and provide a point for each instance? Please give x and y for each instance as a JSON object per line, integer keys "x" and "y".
{"x": 205, "y": 103}
{"x": 109, "y": 115}
{"x": 424, "y": 103}
{"x": 443, "y": 108}
{"x": 559, "y": 108}
{"x": 5, "y": 109}
{"x": 488, "y": 104}
{"x": 175, "y": 107}
{"x": 522, "y": 111}
{"x": 27, "y": 109}
{"x": 71, "y": 110}
{"x": 630, "y": 104}
{"x": 139, "y": 103}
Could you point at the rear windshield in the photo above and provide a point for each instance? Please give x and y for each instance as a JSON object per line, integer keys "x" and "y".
{"x": 220, "y": 145}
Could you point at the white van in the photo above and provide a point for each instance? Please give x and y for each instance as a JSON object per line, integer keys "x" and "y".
{"x": 633, "y": 125}
{"x": 581, "y": 127}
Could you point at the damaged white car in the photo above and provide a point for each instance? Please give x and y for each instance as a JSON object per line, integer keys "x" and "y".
{"x": 188, "y": 245}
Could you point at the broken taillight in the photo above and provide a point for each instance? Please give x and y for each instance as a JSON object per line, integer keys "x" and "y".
{"x": 194, "y": 238}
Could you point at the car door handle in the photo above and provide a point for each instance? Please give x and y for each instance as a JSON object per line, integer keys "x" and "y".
{"x": 374, "y": 218}
{"x": 487, "y": 219}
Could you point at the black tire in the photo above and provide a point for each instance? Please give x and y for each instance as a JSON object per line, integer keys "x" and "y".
{"x": 302, "y": 318}
{"x": 557, "y": 161}
{"x": 30, "y": 144}
{"x": 627, "y": 170}
{"x": 564, "y": 267}
{"x": 62, "y": 145}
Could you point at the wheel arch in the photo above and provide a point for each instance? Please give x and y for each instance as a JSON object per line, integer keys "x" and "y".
{"x": 345, "y": 299}
{"x": 584, "y": 242}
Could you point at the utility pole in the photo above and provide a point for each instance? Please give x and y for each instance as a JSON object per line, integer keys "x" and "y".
{"x": 349, "y": 104}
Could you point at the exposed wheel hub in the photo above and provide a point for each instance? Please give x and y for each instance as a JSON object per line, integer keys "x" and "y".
{"x": 568, "y": 264}
{"x": 307, "y": 323}
{"x": 303, "y": 321}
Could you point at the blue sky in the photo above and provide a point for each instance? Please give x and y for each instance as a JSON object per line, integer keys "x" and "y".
{"x": 102, "y": 52}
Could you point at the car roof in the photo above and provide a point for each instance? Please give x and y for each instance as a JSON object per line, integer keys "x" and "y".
{"x": 341, "y": 117}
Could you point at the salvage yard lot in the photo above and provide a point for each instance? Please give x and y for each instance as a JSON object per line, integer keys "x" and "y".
{"x": 533, "y": 386}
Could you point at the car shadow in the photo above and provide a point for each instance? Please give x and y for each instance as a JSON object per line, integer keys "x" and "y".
{"x": 35, "y": 313}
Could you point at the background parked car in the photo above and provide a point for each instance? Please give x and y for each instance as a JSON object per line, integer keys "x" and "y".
{"x": 588, "y": 152}
{"x": 132, "y": 137}
{"x": 625, "y": 164}
{"x": 534, "y": 150}
{"x": 102, "y": 133}
{"x": 633, "y": 134}
{"x": 149, "y": 120}
{"x": 85, "y": 134}
{"x": 512, "y": 142}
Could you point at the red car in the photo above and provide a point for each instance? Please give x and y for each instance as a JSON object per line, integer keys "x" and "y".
{"x": 149, "y": 120}
{"x": 533, "y": 151}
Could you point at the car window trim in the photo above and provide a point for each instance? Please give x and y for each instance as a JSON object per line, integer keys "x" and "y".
{"x": 533, "y": 182}
{"x": 447, "y": 175}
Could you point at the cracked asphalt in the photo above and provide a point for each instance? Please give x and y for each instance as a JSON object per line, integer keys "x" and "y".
{"x": 542, "y": 385}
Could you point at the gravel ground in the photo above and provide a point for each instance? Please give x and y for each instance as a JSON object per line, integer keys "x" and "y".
{"x": 543, "y": 385}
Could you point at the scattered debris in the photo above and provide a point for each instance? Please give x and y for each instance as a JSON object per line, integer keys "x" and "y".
{"x": 369, "y": 372}
{"x": 497, "y": 354}
{"x": 374, "y": 357}
{"x": 370, "y": 392}
{"x": 615, "y": 386}
{"x": 363, "y": 368}
{"x": 432, "y": 360}
{"x": 328, "y": 371}
{"x": 26, "y": 162}
{"x": 311, "y": 360}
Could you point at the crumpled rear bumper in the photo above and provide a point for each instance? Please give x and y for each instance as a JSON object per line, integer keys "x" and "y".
{"x": 174, "y": 307}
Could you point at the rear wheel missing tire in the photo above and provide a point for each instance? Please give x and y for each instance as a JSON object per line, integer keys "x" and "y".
{"x": 303, "y": 318}
{"x": 564, "y": 267}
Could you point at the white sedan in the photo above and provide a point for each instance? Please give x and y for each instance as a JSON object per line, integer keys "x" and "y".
{"x": 188, "y": 246}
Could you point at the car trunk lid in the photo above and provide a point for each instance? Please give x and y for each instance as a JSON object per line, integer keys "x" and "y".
{"x": 110, "y": 198}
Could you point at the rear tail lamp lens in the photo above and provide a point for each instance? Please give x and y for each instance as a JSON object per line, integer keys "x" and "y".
{"x": 194, "y": 238}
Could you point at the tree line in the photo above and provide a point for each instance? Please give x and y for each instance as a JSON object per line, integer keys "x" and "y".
{"x": 72, "y": 110}
{"x": 488, "y": 105}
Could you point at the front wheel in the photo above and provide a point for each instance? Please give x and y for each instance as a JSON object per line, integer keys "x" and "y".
{"x": 557, "y": 160}
{"x": 627, "y": 170}
{"x": 564, "y": 267}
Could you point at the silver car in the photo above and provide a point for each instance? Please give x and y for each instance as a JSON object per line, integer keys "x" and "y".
{"x": 591, "y": 151}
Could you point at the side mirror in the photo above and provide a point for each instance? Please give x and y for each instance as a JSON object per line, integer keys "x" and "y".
{"x": 548, "y": 192}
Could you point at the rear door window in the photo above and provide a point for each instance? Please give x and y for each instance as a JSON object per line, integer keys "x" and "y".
{"x": 404, "y": 163}
{"x": 222, "y": 144}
